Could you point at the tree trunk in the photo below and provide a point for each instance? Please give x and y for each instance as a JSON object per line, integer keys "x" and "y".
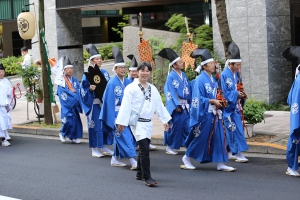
{"x": 46, "y": 90}
{"x": 223, "y": 23}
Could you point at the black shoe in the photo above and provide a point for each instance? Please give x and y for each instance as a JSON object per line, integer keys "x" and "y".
{"x": 140, "y": 178}
{"x": 150, "y": 182}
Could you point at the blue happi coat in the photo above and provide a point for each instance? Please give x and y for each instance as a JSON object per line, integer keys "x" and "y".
{"x": 124, "y": 143}
{"x": 70, "y": 109}
{"x": 177, "y": 89}
{"x": 231, "y": 114}
{"x": 293, "y": 145}
{"x": 97, "y": 138}
{"x": 206, "y": 139}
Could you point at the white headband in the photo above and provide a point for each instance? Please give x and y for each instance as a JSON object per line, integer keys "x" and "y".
{"x": 174, "y": 61}
{"x": 118, "y": 64}
{"x": 68, "y": 66}
{"x": 235, "y": 60}
{"x": 207, "y": 61}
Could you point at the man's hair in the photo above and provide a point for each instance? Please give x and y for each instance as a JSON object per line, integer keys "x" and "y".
{"x": 143, "y": 65}
{"x": 24, "y": 49}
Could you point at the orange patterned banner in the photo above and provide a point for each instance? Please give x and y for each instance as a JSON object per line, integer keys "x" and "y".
{"x": 187, "y": 49}
{"x": 145, "y": 52}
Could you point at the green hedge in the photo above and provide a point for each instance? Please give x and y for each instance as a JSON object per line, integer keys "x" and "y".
{"x": 105, "y": 51}
{"x": 11, "y": 66}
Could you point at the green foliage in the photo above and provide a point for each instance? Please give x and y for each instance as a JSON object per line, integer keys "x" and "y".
{"x": 253, "y": 111}
{"x": 176, "y": 23}
{"x": 157, "y": 44}
{"x": 11, "y": 66}
{"x": 160, "y": 71}
{"x": 277, "y": 106}
{"x": 203, "y": 34}
{"x": 204, "y": 37}
{"x": 190, "y": 73}
{"x": 121, "y": 25}
{"x": 29, "y": 77}
{"x": 163, "y": 98}
{"x": 105, "y": 51}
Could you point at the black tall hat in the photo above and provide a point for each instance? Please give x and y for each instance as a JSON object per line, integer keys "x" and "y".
{"x": 292, "y": 54}
{"x": 205, "y": 57}
{"x": 234, "y": 51}
{"x": 66, "y": 62}
{"x": 92, "y": 50}
{"x": 204, "y": 54}
{"x": 133, "y": 64}
{"x": 169, "y": 54}
{"x": 2, "y": 67}
{"x": 119, "y": 61}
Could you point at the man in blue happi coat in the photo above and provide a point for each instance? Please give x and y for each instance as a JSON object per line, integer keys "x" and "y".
{"x": 177, "y": 91}
{"x": 124, "y": 143}
{"x": 206, "y": 141}
{"x": 293, "y": 146}
{"x": 68, "y": 92}
{"x": 132, "y": 68}
{"x": 232, "y": 113}
{"x": 93, "y": 84}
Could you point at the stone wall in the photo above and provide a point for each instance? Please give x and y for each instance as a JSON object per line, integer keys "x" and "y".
{"x": 69, "y": 38}
{"x": 131, "y": 39}
{"x": 62, "y": 30}
{"x": 261, "y": 29}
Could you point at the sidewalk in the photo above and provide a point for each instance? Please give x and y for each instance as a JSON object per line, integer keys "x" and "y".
{"x": 277, "y": 123}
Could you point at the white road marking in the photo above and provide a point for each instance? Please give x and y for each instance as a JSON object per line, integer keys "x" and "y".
{"x": 7, "y": 198}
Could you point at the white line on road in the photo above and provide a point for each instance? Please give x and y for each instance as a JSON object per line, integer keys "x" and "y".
{"x": 7, "y": 198}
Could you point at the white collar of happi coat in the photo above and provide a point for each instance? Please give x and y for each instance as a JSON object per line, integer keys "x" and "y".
{"x": 180, "y": 75}
{"x": 121, "y": 80}
{"x": 210, "y": 76}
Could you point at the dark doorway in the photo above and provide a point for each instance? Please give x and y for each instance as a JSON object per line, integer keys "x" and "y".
{"x": 18, "y": 43}
{"x": 295, "y": 27}
{"x": 113, "y": 22}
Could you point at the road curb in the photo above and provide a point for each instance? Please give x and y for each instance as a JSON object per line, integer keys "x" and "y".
{"x": 254, "y": 147}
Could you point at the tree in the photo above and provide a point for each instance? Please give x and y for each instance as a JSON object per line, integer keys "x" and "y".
{"x": 47, "y": 103}
{"x": 223, "y": 23}
{"x": 121, "y": 25}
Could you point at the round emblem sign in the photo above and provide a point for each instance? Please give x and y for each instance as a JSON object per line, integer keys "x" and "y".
{"x": 23, "y": 25}
{"x": 97, "y": 79}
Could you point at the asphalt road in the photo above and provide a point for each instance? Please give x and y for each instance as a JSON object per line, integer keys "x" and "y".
{"x": 39, "y": 168}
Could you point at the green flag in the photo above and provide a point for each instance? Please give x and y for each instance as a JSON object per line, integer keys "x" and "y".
{"x": 52, "y": 98}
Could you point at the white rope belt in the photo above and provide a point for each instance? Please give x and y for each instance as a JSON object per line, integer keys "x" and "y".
{"x": 117, "y": 108}
{"x": 97, "y": 101}
{"x": 184, "y": 103}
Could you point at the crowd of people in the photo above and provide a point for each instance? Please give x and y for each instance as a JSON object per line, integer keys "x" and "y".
{"x": 203, "y": 115}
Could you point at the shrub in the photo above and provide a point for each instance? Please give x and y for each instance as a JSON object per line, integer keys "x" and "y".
{"x": 11, "y": 66}
{"x": 30, "y": 79}
{"x": 253, "y": 111}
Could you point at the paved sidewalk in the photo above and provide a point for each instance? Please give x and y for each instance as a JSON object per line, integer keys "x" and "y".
{"x": 277, "y": 123}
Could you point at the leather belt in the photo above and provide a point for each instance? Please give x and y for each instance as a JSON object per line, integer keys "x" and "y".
{"x": 144, "y": 120}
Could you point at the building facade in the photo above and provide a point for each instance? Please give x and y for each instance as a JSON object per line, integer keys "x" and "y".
{"x": 261, "y": 28}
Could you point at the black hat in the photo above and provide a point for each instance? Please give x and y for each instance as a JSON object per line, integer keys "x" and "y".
{"x": 205, "y": 57}
{"x": 2, "y": 67}
{"x": 234, "y": 51}
{"x": 169, "y": 54}
{"x": 292, "y": 54}
{"x": 119, "y": 61}
{"x": 133, "y": 64}
{"x": 66, "y": 62}
{"x": 92, "y": 50}
{"x": 204, "y": 53}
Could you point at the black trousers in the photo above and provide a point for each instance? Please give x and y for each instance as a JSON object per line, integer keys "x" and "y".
{"x": 143, "y": 160}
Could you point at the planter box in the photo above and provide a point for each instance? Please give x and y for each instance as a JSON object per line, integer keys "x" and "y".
{"x": 250, "y": 131}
